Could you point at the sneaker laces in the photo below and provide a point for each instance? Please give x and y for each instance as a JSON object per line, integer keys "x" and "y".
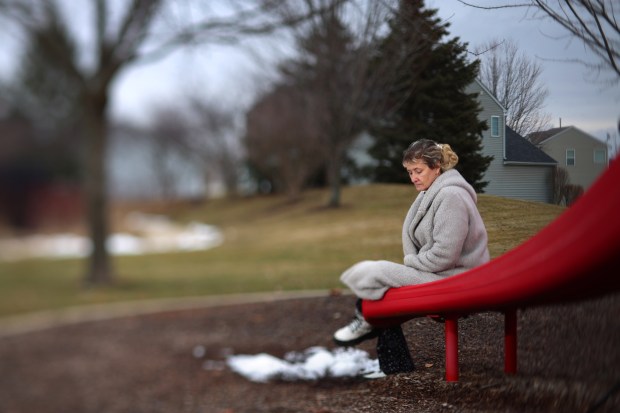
{"x": 357, "y": 323}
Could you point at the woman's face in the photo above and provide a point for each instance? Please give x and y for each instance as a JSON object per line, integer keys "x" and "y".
{"x": 421, "y": 175}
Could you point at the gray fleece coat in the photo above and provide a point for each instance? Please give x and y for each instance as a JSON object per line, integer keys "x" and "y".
{"x": 443, "y": 234}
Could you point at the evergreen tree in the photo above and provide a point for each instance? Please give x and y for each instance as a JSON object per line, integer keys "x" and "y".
{"x": 428, "y": 100}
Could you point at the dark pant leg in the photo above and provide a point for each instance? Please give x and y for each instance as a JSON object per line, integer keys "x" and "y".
{"x": 393, "y": 352}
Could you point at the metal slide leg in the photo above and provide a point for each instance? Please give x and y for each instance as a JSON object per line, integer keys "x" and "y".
{"x": 452, "y": 348}
{"x": 510, "y": 341}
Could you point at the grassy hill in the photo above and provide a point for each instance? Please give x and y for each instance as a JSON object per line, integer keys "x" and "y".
{"x": 270, "y": 244}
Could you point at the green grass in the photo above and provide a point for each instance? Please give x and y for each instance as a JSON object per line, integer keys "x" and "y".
{"x": 270, "y": 244}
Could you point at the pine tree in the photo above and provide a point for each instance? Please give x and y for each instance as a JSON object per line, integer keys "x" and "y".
{"x": 428, "y": 100}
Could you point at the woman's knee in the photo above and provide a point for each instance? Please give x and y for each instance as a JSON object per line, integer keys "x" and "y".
{"x": 366, "y": 265}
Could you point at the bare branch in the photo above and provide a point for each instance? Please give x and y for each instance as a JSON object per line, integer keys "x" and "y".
{"x": 263, "y": 19}
{"x": 580, "y": 27}
{"x": 134, "y": 29}
{"x": 489, "y": 47}
{"x": 594, "y": 23}
{"x": 515, "y": 81}
{"x": 502, "y": 6}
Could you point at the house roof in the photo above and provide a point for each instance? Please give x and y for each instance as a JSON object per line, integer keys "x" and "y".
{"x": 538, "y": 137}
{"x": 488, "y": 92}
{"x": 520, "y": 150}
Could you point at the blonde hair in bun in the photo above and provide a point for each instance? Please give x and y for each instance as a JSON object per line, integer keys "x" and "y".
{"x": 449, "y": 158}
{"x": 432, "y": 154}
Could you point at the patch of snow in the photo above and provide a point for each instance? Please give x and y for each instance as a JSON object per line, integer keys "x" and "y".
{"x": 151, "y": 234}
{"x": 311, "y": 364}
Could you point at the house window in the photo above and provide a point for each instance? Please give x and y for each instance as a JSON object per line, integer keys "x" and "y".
{"x": 495, "y": 126}
{"x": 599, "y": 156}
{"x": 570, "y": 157}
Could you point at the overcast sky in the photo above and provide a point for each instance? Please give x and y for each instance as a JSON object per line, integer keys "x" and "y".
{"x": 227, "y": 75}
{"x": 231, "y": 76}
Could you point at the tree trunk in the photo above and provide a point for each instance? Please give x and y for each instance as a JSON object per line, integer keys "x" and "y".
{"x": 99, "y": 270}
{"x": 334, "y": 180}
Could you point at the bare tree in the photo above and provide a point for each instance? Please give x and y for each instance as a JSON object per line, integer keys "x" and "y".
{"x": 560, "y": 182}
{"x": 195, "y": 135}
{"x": 167, "y": 141}
{"x": 121, "y": 34}
{"x": 564, "y": 192}
{"x": 282, "y": 139}
{"x": 336, "y": 65}
{"x": 572, "y": 193}
{"x": 215, "y": 141}
{"x": 596, "y": 23}
{"x": 515, "y": 80}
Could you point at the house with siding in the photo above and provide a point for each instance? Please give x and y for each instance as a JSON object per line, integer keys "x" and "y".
{"x": 583, "y": 156}
{"x": 519, "y": 169}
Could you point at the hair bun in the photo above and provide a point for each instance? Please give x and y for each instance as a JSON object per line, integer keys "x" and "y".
{"x": 449, "y": 158}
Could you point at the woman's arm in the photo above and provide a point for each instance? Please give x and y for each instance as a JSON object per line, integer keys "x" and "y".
{"x": 450, "y": 227}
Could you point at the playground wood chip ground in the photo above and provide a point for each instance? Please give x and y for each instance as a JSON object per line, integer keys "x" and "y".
{"x": 568, "y": 361}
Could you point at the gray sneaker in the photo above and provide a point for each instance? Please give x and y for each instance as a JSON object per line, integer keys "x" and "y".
{"x": 355, "y": 332}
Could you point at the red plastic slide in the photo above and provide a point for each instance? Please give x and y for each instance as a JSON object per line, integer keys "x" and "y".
{"x": 575, "y": 257}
